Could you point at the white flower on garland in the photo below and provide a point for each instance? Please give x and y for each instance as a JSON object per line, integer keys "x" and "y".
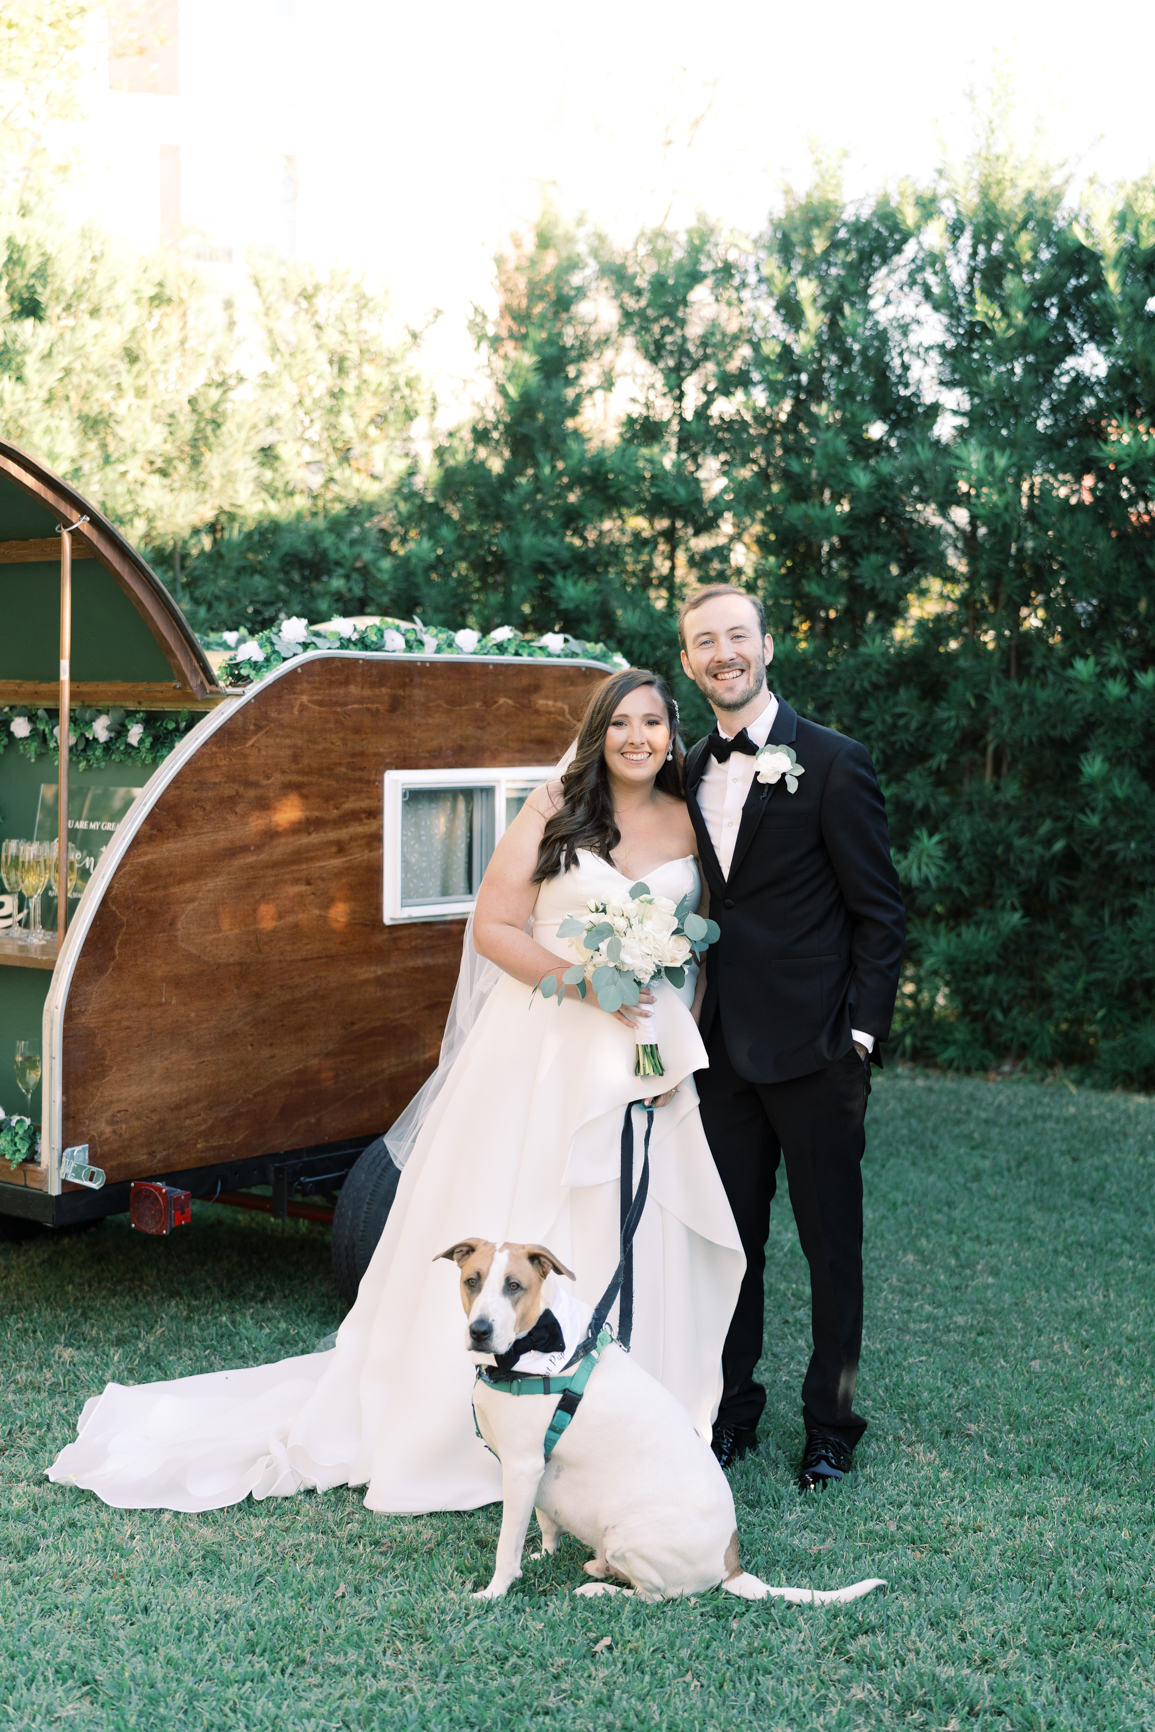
{"x": 394, "y": 642}
{"x": 774, "y": 762}
{"x": 250, "y": 652}
{"x": 56, "y": 734}
{"x": 20, "y": 726}
{"x": 502, "y": 634}
{"x": 232, "y": 638}
{"x": 292, "y": 630}
{"x": 102, "y": 728}
{"x": 553, "y": 641}
{"x": 467, "y": 640}
{"x": 430, "y": 643}
{"x": 135, "y": 732}
{"x": 343, "y": 627}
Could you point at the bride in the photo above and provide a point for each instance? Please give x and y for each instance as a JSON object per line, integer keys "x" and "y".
{"x": 522, "y": 1142}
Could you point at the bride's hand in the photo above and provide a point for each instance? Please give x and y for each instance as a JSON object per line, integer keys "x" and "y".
{"x": 662, "y": 1100}
{"x": 635, "y": 1015}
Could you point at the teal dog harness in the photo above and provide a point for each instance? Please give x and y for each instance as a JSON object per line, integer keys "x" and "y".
{"x": 571, "y": 1385}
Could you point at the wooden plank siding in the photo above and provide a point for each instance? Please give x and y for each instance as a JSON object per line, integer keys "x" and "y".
{"x": 238, "y": 992}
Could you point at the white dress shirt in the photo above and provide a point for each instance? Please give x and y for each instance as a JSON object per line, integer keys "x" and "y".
{"x": 722, "y": 793}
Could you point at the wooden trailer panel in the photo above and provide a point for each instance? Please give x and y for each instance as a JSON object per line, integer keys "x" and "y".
{"x": 234, "y": 988}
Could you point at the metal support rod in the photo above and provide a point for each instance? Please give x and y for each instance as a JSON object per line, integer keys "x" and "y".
{"x": 62, "y": 845}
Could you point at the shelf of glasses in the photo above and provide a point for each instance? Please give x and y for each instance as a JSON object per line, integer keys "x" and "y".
{"x": 16, "y": 953}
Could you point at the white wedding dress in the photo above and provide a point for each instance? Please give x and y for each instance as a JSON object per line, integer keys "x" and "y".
{"x": 522, "y": 1143}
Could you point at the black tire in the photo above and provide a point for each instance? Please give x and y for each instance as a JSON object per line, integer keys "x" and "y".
{"x": 360, "y": 1216}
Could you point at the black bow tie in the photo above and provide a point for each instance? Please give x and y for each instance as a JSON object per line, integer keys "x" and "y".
{"x": 544, "y": 1337}
{"x": 722, "y": 749}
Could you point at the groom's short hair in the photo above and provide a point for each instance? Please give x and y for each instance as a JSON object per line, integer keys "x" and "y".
{"x": 708, "y": 591}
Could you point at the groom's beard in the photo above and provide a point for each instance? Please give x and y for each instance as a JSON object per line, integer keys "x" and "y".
{"x": 736, "y": 695}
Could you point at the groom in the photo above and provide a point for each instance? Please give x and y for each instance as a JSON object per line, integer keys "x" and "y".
{"x": 800, "y": 986}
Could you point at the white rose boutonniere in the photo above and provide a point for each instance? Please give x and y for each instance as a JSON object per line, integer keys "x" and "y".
{"x": 774, "y": 762}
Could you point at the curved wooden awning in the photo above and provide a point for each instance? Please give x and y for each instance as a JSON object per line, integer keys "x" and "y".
{"x": 192, "y": 684}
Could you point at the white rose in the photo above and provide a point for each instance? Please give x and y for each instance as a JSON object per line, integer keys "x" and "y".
{"x": 662, "y": 922}
{"x": 135, "y": 733}
{"x": 467, "y": 640}
{"x": 343, "y": 627}
{"x": 231, "y": 638}
{"x": 394, "y": 641}
{"x": 771, "y": 766}
{"x": 250, "y": 652}
{"x": 430, "y": 643}
{"x": 20, "y": 726}
{"x": 294, "y": 630}
{"x": 674, "y": 952}
{"x": 553, "y": 641}
{"x": 502, "y": 634}
{"x": 101, "y": 728}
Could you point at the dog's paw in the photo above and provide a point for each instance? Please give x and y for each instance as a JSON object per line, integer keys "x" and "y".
{"x": 591, "y": 1589}
{"x": 492, "y": 1592}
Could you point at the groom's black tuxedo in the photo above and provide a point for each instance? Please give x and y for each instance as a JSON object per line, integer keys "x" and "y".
{"x": 811, "y": 915}
{"x": 812, "y": 929}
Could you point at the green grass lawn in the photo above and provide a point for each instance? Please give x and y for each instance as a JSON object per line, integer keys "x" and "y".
{"x": 1004, "y": 1487}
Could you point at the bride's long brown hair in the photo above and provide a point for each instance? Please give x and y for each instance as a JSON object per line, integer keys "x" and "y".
{"x": 586, "y": 819}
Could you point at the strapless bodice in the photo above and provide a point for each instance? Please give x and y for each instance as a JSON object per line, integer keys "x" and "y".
{"x": 595, "y": 880}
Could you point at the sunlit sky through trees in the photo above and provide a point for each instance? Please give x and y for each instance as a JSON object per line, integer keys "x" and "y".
{"x": 420, "y": 136}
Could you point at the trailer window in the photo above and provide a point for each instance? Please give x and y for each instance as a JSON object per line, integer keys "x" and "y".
{"x": 446, "y": 841}
{"x": 441, "y": 827}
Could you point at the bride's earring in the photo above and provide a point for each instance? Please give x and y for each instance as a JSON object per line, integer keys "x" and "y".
{"x": 670, "y": 755}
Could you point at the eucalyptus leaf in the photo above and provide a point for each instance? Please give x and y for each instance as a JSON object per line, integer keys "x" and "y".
{"x": 549, "y": 986}
{"x": 694, "y": 927}
{"x": 791, "y": 782}
{"x": 581, "y": 986}
{"x": 598, "y": 935}
{"x": 614, "y": 949}
{"x": 676, "y": 976}
{"x": 683, "y": 908}
{"x": 571, "y": 927}
{"x": 611, "y": 999}
{"x": 639, "y": 889}
{"x": 574, "y": 974}
{"x": 604, "y": 977}
{"x": 713, "y": 932}
{"x": 630, "y": 988}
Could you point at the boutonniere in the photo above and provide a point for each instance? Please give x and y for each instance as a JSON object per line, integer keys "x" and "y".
{"x": 774, "y": 762}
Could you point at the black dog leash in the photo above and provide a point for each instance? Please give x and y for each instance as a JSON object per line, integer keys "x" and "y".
{"x": 631, "y": 1213}
{"x": 570, "y": 1382}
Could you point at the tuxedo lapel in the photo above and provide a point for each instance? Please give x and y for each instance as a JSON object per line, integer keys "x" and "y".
{"x": 783, "y": 733}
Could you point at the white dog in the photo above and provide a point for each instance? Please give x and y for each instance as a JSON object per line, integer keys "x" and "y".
{"x": 629, "y": 1475}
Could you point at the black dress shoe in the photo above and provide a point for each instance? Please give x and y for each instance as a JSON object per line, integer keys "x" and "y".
{"x": 730, "y": 1443}
{"x": 825, "y": 1458}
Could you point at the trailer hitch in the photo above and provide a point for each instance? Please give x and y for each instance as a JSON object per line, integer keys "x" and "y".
{"x": 75, "y": 1170}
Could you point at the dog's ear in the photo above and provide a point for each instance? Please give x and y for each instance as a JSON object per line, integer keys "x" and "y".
{"x": 460, "y": 1252}
{"x": 543, "y": 1261}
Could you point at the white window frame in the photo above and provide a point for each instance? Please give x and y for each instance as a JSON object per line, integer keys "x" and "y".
{"x": 504, "y": 782}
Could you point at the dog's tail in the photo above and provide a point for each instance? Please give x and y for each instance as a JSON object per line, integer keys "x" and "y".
{"x": 748, "y": 1587}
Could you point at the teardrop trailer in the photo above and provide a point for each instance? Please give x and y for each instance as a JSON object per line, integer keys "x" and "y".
{"x": 256, "y": 977}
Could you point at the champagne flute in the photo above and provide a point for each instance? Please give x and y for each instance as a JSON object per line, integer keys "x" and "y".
{"x": 54, "y": 868}
{"x": 10, "y": 875}
{"x": 34, "y": 880}
{"x": 28, "y": 1068}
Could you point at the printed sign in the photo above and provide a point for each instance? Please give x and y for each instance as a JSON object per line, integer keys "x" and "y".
{"x": 93, "y": 814}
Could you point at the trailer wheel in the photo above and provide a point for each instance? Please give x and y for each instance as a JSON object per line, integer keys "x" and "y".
{"x": 360, "y": 1216}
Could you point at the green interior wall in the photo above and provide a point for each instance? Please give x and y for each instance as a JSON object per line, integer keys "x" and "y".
{"x": 110, "y": 640}
{"x": 23, "y": 990}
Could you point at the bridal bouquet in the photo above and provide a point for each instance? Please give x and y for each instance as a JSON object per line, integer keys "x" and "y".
{"x": 623, "y": 946}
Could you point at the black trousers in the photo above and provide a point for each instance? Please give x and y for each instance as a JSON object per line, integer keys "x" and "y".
{"x": 816, "y": 1122}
